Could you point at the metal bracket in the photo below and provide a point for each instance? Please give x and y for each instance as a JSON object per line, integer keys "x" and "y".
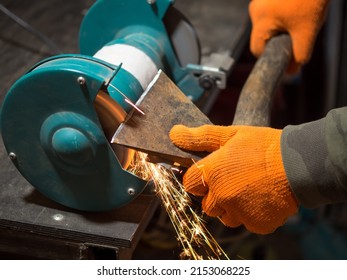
{"x": 214, "y": 71}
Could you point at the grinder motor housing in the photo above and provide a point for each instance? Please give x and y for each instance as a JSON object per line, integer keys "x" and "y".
{"x": 57, "y": 119}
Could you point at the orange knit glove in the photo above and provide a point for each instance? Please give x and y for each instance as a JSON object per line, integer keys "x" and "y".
{"x": 302, "y": 19}
{"x": 243, "y": 180}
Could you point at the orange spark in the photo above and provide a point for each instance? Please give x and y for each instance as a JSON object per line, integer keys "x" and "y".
{"x": 189, "y": 226}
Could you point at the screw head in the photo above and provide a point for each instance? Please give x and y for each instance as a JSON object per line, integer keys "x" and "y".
{"x": 131, "y": 191}
{"x": 206, "y": 82}
{"x": 81, "y": 80}
{"x": 12, "y": 156}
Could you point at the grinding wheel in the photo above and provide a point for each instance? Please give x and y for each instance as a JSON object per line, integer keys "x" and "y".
{"x": 111, "y": 115}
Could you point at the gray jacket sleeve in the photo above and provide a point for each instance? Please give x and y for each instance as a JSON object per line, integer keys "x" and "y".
{"x": 315, "y": 159}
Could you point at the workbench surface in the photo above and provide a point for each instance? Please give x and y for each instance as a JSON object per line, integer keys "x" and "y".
{"x": 32, "y": 226}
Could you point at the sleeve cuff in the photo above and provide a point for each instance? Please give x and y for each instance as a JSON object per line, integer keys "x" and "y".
{"x": 309, "y": 168}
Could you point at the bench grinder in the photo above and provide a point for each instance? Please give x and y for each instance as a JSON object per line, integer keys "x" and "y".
{"x": 57, "y": 119}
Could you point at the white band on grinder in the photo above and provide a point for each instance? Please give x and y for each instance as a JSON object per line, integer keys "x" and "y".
{"x": 133, "y": 60}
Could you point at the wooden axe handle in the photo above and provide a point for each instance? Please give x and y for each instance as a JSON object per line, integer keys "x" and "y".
{"x": 255, "y": 101}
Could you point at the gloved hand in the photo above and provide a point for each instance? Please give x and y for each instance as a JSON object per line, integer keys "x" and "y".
{"x": 243, "y": 180}
{"x": 302, "y": 19}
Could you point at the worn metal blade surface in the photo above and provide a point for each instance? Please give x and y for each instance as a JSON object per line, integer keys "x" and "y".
{"x": 163, "y": 105}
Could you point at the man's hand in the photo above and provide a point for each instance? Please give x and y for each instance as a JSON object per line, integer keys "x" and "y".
{"x": 302, "y": 19}
{"x": 243, "y": 180}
